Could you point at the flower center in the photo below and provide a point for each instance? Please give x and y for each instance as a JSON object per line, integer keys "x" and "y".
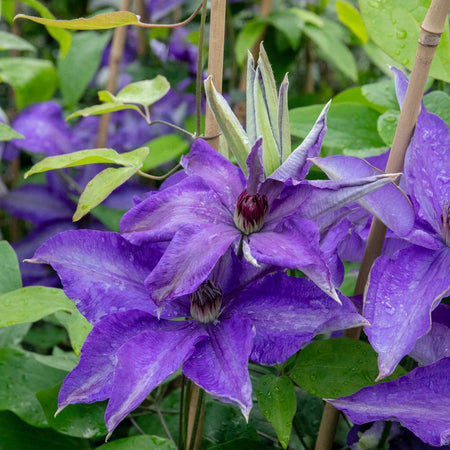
{"x": 445, "y": 220}
{"x": 206, "y": 302}
{"x": 250, "y": 212}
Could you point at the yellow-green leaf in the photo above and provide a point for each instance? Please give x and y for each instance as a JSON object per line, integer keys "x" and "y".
{"x": 32, "y": 303}
{"x": 98, "y": 22}
{"x": 100, "y": 187}
{"x": 352, "y": 19}
{"x": 105, "y": 108}
{"x": 94, "y": 156}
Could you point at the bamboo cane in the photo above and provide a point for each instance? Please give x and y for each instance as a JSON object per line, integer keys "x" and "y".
{"x": 430, "y": 33}
{"x": 115, "y": 58}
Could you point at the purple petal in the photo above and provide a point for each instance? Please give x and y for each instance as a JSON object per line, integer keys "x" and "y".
{"x": 297, "y": 165}
{"x": 401, "y": 85}
{"x": 326, "y": 196}
{"x": 145, "y": 362}
{"x": 91, "y": 380}
{"x": 401, "y": 293}
{"x": 435, "y": 345}
{"x": 287, "y": 312}
{"x": 45, "y": 130}
{"x": 388, "y": 203}
{"x": 223, "y": 177}
{"x": 294, "y": 246}
{"x": 420, "y": 401}
{"x": 219, "y": 364}
{"x": 188, "y": 260}
{"x": 39, "y": 274}
{"x": 37, "y": 203}
{"x": 101, "y": 271}
{"x": 161, "y": 215}
{"x": 255, "y": 168}
{"x": 427, "y": 168}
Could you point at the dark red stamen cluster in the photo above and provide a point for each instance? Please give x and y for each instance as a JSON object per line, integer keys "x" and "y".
{"x": 250, "y": 212}
{"x": 206, "y": 302}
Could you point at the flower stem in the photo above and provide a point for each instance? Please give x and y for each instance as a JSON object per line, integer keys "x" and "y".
{"x": 180, "y": 423}
{"x": 430, "y": 32}
{"x": 198, "y": 82}
{"x": 198, "y": 412}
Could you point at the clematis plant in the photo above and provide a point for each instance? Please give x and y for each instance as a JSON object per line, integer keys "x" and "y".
{"x": 239, "y": 312}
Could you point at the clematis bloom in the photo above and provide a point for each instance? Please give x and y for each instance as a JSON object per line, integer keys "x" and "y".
{"x": 272, "y": 220}
{"x": 240, "y": 312}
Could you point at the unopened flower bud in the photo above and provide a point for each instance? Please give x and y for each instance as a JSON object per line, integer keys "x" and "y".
{"x": 206, "y": 302}
{"x": 250, "y": 212}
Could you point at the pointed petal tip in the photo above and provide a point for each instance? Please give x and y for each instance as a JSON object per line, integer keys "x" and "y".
{"x": 33, "y": 261}
{"x": 334, "y": 295}
{"x": 59, "y": 410}
{"x": 109, "y": 435}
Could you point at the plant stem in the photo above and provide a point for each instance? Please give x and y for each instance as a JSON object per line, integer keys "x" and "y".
{"x": 115, "y": 58}
{"x": 430, "y": 32}
{"x": 198, "y": 81}
{"x": 180, "y": 423}
{"x": 198, "y": 413}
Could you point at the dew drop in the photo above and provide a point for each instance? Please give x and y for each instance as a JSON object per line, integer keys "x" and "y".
{"x": 405, "y": 61}
{"x": 397, "y": 52}
{"x": 401, "y": 34}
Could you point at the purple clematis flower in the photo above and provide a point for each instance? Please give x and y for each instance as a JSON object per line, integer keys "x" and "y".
{"x": 420, "y": 401}
{"x": 410, "y": 278}
{"x": 239, "y": 312}
{"x": 215, "y": 207}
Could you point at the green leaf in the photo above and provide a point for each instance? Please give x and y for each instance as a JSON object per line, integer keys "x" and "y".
{"x": 83, "y": 58}
{"x": 144, "y": 92}
{"x": 395, "y": 25}
{"x": 337, "y": 367}
{"x": 235, "y": 135}
{"x": 10, "y": 278}
{"x": 381, "y": 93}
{"x": 21, "y": 376}
{"x": 100, "y": 187}
{"x": 109, "y": 216}
{"x": 438, "y": 102}
{"x": 350, "y": 126}
{"x": 307, "y": 16}
{"x": 381, "y": 59}
{"x": 352, "y": 19}
{"x": 9, "y": 41}
{"x": 333, "y": 50}
{"x": 277, "y": 400}
{"x": 63, "y": 37}
{"x": 17, "y": 435}
{"x": 164, "y": 149}
{"x": 32, "y": 303}
{"x": 105, "y": 108}
{"x": 86, "y": 421}
{"x": 33, "y": 80}
{"x": 98, "y": 22}
{"x": 12, "y": 336}
{"x": 60, "y": 359}
{"x": 355, "y": 95}
{"x": 287, "y": 23}
{"x": 140, "y": 443}
{"x": 77, "y": 326}
{"x": 247, "y": 38}
{"x": 94, "y": 156}
{"x": 7, "y": 133}
{"x": 387, "y": 124}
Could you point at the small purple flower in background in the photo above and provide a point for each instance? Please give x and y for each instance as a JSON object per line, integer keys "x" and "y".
{"x": 239, "y": 312}
{"x": 272, "y": 220}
